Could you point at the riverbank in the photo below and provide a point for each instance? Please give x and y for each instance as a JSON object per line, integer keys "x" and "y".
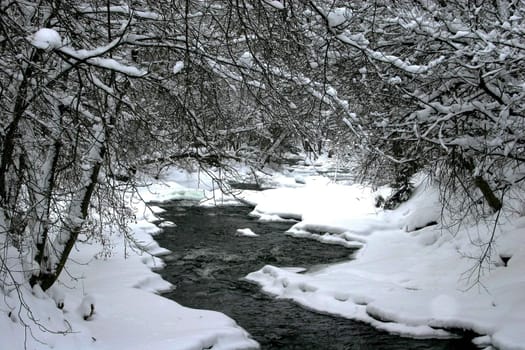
{"x": 407, "y": 279}
{"x": 417, "y": 274}
{"x": 111, "y": 282}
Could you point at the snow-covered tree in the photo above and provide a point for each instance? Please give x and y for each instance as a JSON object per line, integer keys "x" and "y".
{"x": 441, "y": 89}
{"x": 92, "y": 90}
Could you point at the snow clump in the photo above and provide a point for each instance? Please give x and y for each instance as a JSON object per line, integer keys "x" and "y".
{"x": 246, "y": 60}
{"x": 275, "y": 4}
{"x": 246, "y": 232}
{"x": 179, "y": 65}
{"x": 86, "y": 308}
{"x": 338, "y": 16}
{"x": 46, "y": 39}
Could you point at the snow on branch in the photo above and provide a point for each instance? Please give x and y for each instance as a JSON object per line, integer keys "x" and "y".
{"x": 359, "y": 42}
{"x": 325, "y": 93}
{"x": 275, "y": 4}
{"x": 91, "y": 58}
{"x": 45, "y": 39}
{"x": 225, "y": 73}
{"x": 121, "y": 9}
{"x": 50, "y": 39}
{"x": 399, "y": 63}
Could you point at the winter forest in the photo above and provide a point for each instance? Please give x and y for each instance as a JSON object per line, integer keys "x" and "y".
{"x": 109, "y": 106}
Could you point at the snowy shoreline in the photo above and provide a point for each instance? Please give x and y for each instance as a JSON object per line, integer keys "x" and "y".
{"x": 406, "y": 279}
{"x": 118, "y": 279}
{"x": 402, "y": 280}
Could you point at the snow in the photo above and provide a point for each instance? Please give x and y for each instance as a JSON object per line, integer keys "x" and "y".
{"x": 46, "y": 39}
{"x": 167, "y": 224}
{"x": 399, "y": 63}
{"x": 395, "y": 80}
{"x": 246, "y": 59}
{"x": 338, "y": 16}
{"x": 406, "y": 279}
{"x": 176, "y": 184}
{"x": 275, "y": 4}
{"x": 121, "y": 286}
{"x": 87, "y": 307}
{"x": 92, "y": 58}
{"x": 179, "y": 65}
{"x": 246, "y": 232}
{"x": 123, "y": 9}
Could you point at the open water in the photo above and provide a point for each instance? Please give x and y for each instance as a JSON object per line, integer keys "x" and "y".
{"x": 208, "y": 263}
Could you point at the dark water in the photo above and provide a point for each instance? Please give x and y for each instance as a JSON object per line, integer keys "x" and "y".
{"x": 209, "y": 262}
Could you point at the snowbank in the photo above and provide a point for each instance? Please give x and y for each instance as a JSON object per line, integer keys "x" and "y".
{"x": 409, "y": 278}
{"x": 109, "y": 300}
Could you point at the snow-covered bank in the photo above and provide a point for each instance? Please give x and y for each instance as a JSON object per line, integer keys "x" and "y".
{"x": 407, "y": 278}
{"x": 120, "y": 284}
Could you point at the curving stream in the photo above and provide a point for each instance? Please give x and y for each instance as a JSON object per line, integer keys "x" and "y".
{"x": 208, "y": 263}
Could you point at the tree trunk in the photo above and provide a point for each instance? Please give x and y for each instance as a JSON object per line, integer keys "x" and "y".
{"x": 58, "y": 252}
{"x": 44, "y": 193}
{"x": 272, "y": 148}
{"x": 482, "y": 185}
{"x": 487, "y": 192}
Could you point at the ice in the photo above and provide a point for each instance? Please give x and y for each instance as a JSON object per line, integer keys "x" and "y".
{"x": 271, "y": 218}
{"x": 167, "y": 224}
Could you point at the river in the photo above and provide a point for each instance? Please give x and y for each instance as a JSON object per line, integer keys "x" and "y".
{"x": 208, "y": 263}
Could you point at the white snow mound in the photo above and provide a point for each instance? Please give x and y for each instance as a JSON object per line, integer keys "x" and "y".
{"x": 46, "y": 39}
{"x": 246, "y": 232}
